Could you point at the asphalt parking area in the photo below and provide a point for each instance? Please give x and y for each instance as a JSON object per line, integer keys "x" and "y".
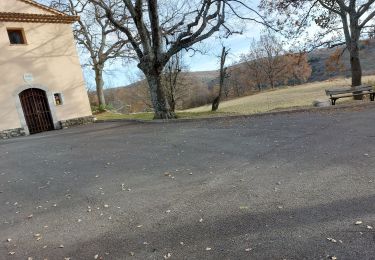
{"x": 285, "y": 186}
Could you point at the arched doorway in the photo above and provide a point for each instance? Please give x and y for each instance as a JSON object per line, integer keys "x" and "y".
{"x": 36, "y": 110}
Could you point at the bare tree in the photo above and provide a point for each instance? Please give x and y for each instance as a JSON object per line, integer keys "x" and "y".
{"x": 95, "y": 33}
{"x": 265, "y": 61}
{"x": 343, "y": 23}
{"x": 172, "y": 80}
{"x": 272, "y": 61}
{"x": 157, "y": 31}
{"x": 253, "y": 62}
{"x": 223, "y": 76}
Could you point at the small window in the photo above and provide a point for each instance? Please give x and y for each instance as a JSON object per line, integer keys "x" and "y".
{"x": 16, "y": 36}
{"x": 58, "y": 99}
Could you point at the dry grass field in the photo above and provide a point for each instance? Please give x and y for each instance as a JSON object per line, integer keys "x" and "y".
{"x": 285, "y": 98}
{"x": 282, "y": 98}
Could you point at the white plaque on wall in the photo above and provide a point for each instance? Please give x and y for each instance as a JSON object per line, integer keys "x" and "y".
{"x": 28, "y": 78}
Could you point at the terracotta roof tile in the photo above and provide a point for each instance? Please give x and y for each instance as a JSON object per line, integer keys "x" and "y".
{"x": 36, "y": 18}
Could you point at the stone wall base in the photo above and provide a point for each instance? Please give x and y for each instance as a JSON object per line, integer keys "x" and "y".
{"x": 6, "y": 134}
{"x": 10, "y": 133}
{"x": 77, "y": 121}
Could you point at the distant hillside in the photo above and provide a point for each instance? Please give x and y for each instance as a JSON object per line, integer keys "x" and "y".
{"x": 318, "y": 58}
{"x": 201, "y": 86}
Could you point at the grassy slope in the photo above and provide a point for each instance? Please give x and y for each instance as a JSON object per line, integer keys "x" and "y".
{"x": 279, "y": 99}
{"x": 284, "y": 98}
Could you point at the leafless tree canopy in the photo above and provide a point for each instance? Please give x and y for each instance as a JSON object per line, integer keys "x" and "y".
{"x": 157, "y": 30}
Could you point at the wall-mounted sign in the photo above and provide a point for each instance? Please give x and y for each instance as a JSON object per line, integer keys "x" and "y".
{"x": 28, "y": 78}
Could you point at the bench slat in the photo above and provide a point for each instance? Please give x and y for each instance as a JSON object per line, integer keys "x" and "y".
{"x": 347, "y": 90}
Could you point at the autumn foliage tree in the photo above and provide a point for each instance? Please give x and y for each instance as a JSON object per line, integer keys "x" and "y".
{"x": 297, "y": 68}
{"x": 334, "y": 63}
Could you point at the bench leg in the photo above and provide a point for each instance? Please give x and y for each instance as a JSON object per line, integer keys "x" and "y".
{"x": 333, "y": 100}
{"x": 372, "y": 97}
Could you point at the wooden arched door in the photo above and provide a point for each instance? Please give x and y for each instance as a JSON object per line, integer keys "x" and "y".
{"x": 36, "y": 110}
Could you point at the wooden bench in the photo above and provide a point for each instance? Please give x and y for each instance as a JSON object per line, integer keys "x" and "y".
{"x": 337, "y": 93}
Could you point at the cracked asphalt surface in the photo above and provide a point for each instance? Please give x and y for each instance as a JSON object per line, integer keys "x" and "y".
{"x": 284, "y": 186}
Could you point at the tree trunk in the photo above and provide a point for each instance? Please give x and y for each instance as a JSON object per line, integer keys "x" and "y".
{"x": 356, "y": 68}
{"x": 173, "y": 104}
{"x": 158, "y": 98}
{"x": 216, "y": 103}
{"x": 223, "y": 74}
{"x": 100, "y": 86}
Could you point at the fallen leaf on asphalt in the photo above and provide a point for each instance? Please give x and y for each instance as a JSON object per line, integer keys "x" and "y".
{"x": 29, "y": 258}
{"x": 248, "y": 249}
{"x": 168, "y": 211}
{"x": 332, "y": 240}
{"x": 11, "y": 253}
{"x": 132, "y": 253}
{"x": 30, "y": 216}
{"x": 9, "y": 239}
{"x": 167, "y": 256}
{"x": 334, "y": 258}
{"x": 201, "y": 220}
{"x": 369, "y": 227}
{"x": 139, "y": 226}
{"x": 208, "y": 248}
{"x": 37, "y": 235}
{"x": 106, "y": 205}
{"x": 61, "y": 246}
{"x": 244, "y": 207}
{"x": 359, "y": 222}
{"x": 67, "y": 258}
{"x": 181, "y": 243}
{"x": 96, "y": 256}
